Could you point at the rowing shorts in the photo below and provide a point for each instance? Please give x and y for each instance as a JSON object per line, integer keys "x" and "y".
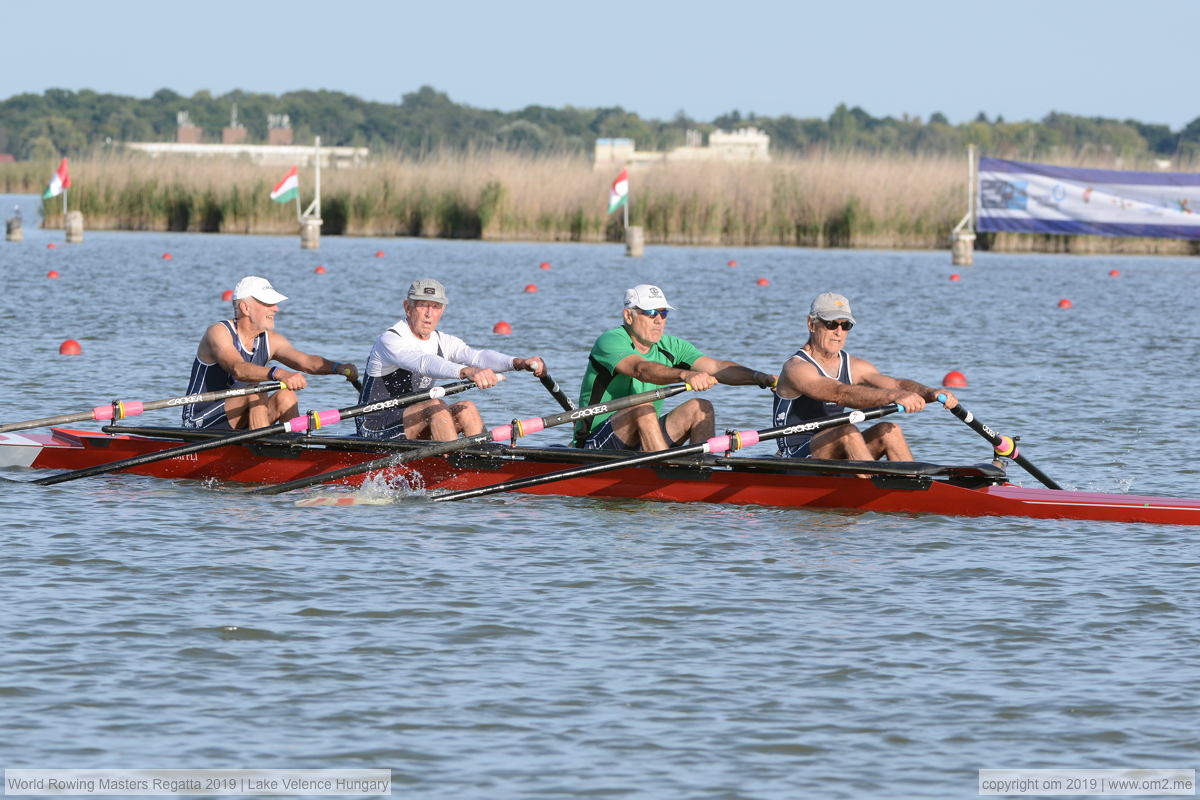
{"x": 801, "y": 450}
{"x": 605, "y": 438}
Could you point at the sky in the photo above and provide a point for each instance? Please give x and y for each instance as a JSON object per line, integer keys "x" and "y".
{"x": 1018, "y": 59}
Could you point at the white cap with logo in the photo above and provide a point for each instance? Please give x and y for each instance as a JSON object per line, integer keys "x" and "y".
{"x": 258, "y": 288}
{"x": 831, "y": 306}
{"x": 646, "y": 297}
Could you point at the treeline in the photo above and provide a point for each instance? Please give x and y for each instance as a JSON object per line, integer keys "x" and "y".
{"x": 61, "y": 122}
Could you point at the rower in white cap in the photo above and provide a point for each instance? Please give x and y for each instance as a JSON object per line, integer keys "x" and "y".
{"x": 638, "y": 356}
{"x": 235, "y": 352}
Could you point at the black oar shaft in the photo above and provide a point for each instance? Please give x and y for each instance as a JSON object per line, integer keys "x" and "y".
{"x": 121, "y": 409}
{"x": 1003, "y": 445}
{"x": 711, "y": 445}
{"x": 294, "y": 425}
{"x": 500, "y": 433}
{"x": 556, "y": 392}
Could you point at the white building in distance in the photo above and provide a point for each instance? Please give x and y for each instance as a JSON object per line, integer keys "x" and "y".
{"x": 748, "y": 145}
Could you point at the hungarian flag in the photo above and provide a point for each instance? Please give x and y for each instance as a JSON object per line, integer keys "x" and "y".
{"x": 59, "y": 183}
{"x": 619, "y": 194}
{"x": 287, "y": 189}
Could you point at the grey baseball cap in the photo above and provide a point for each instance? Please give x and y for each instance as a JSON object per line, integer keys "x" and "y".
{"x": 831, "y": 306}
{"x": 427, "y": 289}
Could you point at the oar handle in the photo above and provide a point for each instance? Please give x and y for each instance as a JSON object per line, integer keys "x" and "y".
{"x": 1003, "y": 446}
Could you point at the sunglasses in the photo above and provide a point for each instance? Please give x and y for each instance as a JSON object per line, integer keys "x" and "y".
{"x": 834, "y": 324}
{"x": 655, "y": 312}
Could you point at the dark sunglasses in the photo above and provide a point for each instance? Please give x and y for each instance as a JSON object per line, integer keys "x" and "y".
{"x": 655, "y": 312}
{"x": 834, "y": 324}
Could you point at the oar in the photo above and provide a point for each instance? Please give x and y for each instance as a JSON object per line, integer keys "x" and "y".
{"x": 557, "y": 393}
{"x": 120, "y": 409}
{"x": 717, "y": 444}
{"x": 1004, "y": 446}
{"x": 315, "y": 419}
{"x": 501, "y": 433}
{"x": 342, "y": 369}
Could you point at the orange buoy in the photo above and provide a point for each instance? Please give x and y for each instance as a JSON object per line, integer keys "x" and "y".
{"x": 167, "y": 256}
{"x": 52, "y": 273}
{"x": 70, "y": 348}
{"x": 544, "y": 265}
{"x": 379, "y": 254}
{"x": 956, "y": 277}
{"x": 320, "y": 270}
{"x": 50, "y": 246}
{"x": 732, "y": 263}
{"x": 227, "y": 295}
{"x": 530, "y": 288}
{"x": 955, "y": 380}
{"x": 1065, "y": 303}
{"x": 1113, "y": 273}
{"x": 502, "y": 328}
{"x": 763, "y": 282}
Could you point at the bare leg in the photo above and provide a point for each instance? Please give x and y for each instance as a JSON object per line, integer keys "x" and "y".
{"x": 638, "y": 428}
{"x": 466, "y": 418}
{"x": 694, "y": 420}
{"x": 887, "y": 438}
{"x": 431, "y": 420}
{"x": 843, "y": 443}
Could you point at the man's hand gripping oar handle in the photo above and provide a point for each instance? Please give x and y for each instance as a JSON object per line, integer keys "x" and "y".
{"x": 1003, "y": 446}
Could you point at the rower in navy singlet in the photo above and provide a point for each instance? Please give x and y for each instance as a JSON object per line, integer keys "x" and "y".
{"x": 213, "y": 378}
{"x": 795, "y": 410}
{"x": 236, "y": 353}
{"x": 411, "y": 355}
{"x": 822, "y": 380}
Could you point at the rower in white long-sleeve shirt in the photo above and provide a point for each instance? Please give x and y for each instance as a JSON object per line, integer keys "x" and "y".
{"x": 409, "y": 356}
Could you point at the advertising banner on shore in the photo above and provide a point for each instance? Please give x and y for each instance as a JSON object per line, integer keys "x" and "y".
{"x": 1024, "y": 197}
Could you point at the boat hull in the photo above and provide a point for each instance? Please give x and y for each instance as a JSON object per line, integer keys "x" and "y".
{"x": 724, "y": 481}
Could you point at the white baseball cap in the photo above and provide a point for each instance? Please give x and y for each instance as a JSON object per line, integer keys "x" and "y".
{"x": 646, "y": 297}
{"x": 830, "y": 306}
{"x": 258, "y": 288}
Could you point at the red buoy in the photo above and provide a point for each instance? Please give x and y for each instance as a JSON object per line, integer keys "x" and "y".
{"x": 763, "y": 282}
{"x": 167, "y": 256}
{"x": 227, "y": 295}
{"x": 544, "y": 265}
{"x": 70, "y": 348}
{"x": 379, "y": 254}
{"x": 956, "y": 277}
{"x": 1113, "y": 273}
{"x": 52, "y": 273}
{"x": 530, "y": 288}
{"x": 1065, "y": 303}
{"x": 502, "y": 328}
{"x": 50, "y": 246}
{"x": 955, "y": 380}
{"x": 320, "y": 270}
{"x": 732, "y": 263}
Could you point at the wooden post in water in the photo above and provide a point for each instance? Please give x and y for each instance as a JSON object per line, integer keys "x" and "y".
{"x": 74, "y": 227}
{"x": 635, "y": 241}
{"x": 962, "y": 238}
{"x": 13, "y": 230}
{"x": 310, "y": 234}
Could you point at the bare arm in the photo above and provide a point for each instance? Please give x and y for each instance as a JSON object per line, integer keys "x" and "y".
{"x": 801, "y": 377}
{"x": 637, "y": 367}
{"x": 732, "y": 373}
{"x": 289, "y": 356}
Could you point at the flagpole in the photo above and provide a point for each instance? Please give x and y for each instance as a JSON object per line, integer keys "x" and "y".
{"x": 627, "y": 201}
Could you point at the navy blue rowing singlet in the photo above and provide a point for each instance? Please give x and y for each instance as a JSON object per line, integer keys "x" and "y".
{"x": 212, "y": 378}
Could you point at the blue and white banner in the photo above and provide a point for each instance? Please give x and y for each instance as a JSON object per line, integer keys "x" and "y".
{"x": 1040, "y": 198}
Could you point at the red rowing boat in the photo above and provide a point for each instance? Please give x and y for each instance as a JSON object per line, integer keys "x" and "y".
{"x": 913, "y": 488}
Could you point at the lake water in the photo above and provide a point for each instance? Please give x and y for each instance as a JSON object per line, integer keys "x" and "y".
{"x": 525, "y": 646}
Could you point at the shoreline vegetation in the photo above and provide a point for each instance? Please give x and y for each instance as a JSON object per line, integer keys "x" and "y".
{"x": 828, "y": 199}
